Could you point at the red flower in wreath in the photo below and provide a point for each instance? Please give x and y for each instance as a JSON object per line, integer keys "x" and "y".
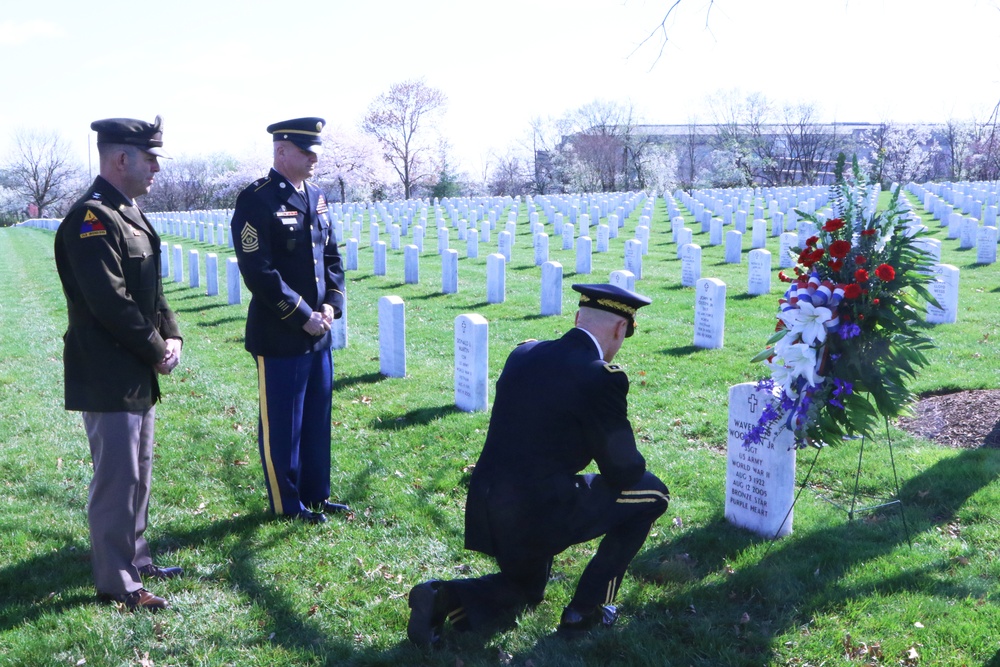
{"x": 833, "y": 225}
{"x": 835, "y": 264}
{"x": 860, "y": 260}
{"x": 812, "y": 241}
{"x": 869, "y": 232}
{"x": 885, "y": 272}
{"x": 861, "y": 275}
{"x": 852, "y": 291}
{"x": 840, "y": 249}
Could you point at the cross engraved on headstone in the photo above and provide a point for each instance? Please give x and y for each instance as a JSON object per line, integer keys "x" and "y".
{"x": 752, "y": 401}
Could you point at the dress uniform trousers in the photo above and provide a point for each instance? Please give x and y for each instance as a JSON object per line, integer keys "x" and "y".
{"x": 121, "y": 447}
{"x": 294, "y": 429}
{"x": 624, "y": 519}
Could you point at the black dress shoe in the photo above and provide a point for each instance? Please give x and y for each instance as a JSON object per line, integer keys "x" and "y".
{"x": 310, "y": 517}
{"x": 575, "y": 623}
{"x": 428, "y": 611}
{"x": 160, "y": 572}
{"x": 140, "y": 599}
{"x": 326, "y": 507}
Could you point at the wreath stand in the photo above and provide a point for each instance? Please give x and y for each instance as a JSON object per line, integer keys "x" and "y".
{"x": 853, "y": 509}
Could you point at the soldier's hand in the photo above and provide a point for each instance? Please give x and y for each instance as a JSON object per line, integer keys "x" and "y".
{"x": 328, "y": 314}
{"x": 316, "y": 325}
{"x": 171, "y": 357}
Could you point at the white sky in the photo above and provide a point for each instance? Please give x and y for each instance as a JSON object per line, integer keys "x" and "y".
{"x": 220, "y": 71}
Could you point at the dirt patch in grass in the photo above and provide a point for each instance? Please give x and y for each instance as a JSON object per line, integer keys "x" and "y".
{"x": 963, "y": 419}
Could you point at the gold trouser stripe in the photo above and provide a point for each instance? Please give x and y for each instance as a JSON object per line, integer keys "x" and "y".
{"x": 456, "y": 615}
{"x": 272, "y": 479}
{"x": 609, "y": 597}
{"x": 651, "y": 496}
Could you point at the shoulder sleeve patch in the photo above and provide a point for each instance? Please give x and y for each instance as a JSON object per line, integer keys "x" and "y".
{"x": 530, "y": 340}
{"x": 613, "y": 368}
{"x": 91, "y": 226}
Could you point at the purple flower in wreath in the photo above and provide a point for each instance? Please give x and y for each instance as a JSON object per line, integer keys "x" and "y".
{"x": 849, "y": 330}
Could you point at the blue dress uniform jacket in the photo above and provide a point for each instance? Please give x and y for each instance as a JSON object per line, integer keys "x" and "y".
{"x": 108, "y": 258}
{"x": 288, "y": 256}
{"x": 558, "y": 407}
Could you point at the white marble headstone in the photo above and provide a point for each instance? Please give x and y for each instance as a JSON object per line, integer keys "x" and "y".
{"x": 760, "y": 478}
{"x": 945, "y": 290}
{"x": 551, "y": 287}
{"x": 759, "y": 272}
{"x": 496, "y": 279}
{"x": 392, "y": 337}
{"x": 471, "y": 361}
{"x": 709, "y": 313}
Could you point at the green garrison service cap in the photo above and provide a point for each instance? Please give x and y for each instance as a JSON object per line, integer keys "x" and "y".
{"x": 613, "y": 299}
{"x": 132, "y": 132}
{"x": 303, "y": 132}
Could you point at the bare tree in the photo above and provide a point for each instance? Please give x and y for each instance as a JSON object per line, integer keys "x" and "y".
{"x": 510, "y": 176}
{"x": 604, "y": 145}
{"x": 661, "y": 29}
{"x": 809, "y": 146}
{"x": 188, "y": 184}
{"x": 549, "y": 172}
{"x": 42, "y": 170}
{"x": 395, "y": 119}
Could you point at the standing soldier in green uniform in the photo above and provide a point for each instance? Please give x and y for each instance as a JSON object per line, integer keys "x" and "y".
{"x": 121, "y": 334}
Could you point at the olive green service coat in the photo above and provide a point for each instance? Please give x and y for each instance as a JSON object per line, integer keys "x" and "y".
{"x": 108, "y": 258}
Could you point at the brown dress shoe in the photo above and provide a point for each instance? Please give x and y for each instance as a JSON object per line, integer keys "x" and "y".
{"x": 140, "y": 599}
{"x": 160, "y": 572}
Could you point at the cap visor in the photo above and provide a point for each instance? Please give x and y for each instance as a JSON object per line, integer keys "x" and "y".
{"x": 158, "y": 152}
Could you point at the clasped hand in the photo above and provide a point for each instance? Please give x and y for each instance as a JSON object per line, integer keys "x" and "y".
{"x": 320, "y": 321}
{"x": 171, "y": 357}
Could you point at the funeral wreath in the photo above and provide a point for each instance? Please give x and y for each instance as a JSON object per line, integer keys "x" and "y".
{"x": 850, "y": 332}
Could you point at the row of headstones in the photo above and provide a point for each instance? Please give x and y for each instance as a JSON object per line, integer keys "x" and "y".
{"x": 970, "y": 232}
{"x": 945, "y": 288}
{"x": 471, "y": 346}
{"x": 474, "y": 210}
{"x": 972, "y": 197}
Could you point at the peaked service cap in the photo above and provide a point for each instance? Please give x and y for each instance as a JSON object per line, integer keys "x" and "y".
{"x": 303, "y": 132}
{"x": 614, "y": 299}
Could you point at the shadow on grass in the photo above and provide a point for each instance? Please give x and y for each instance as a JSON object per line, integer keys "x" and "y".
{"x": 420, "y": 417}
{"x": 28, "y": 596}
{"x": 681, "y": 351}
{"x": 367, "y": 378}
{"x": 197, "y": 309}
{"x": 225, "y": 320}
{"x": 803, "y": 575}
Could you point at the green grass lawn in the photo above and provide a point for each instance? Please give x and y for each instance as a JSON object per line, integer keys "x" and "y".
{"x": 265, "y": 592}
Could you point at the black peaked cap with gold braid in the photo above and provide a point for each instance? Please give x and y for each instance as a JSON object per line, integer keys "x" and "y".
{"x": 303, "y": 132}
{"x": 613, "y": 299}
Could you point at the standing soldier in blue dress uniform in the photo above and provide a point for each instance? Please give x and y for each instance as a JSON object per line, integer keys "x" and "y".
{"x": 560, "y": 405}
{"x": 121, "y": 335}
{"x": 288, "y": 256}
